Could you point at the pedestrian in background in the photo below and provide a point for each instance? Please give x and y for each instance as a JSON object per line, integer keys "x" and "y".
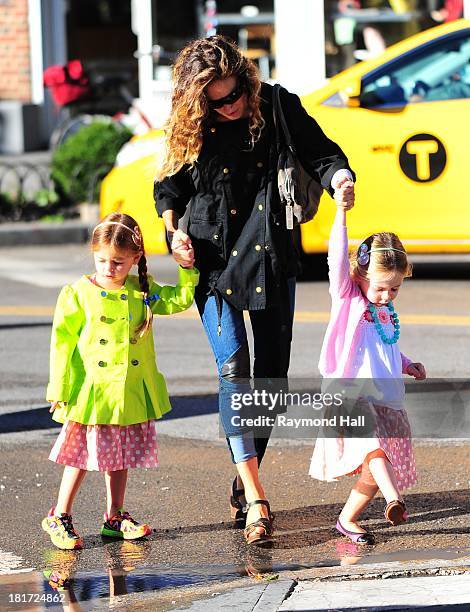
{"x": 361, "y": 343}
{"x": 448, "y": 10}
{"x": 104, "y": 385}
{"x": 222, "y": 158}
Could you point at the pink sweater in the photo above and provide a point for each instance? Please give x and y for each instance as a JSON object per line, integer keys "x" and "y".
{"x": 347, "y": 307}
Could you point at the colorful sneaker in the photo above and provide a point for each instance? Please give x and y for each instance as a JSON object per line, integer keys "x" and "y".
{"x": 61, "y": 531}
{"x": 123, "y": 526}
{"x": 56, "y": 580}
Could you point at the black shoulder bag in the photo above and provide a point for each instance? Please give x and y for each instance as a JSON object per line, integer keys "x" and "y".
{"x": 299, "y": 192}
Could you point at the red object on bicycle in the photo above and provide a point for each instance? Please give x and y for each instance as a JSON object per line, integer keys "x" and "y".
{"x": 67, "y": 83}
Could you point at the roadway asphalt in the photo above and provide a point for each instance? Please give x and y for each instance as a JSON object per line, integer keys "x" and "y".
{"x": 194, "y": 558}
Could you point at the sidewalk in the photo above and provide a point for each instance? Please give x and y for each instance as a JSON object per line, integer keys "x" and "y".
{"x": 429, "y": 593}
{"x": 38, "y": 233}
{"x": 426, "y": 593}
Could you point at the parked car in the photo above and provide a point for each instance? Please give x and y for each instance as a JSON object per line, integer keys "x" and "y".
{"x": 402, "y": 119}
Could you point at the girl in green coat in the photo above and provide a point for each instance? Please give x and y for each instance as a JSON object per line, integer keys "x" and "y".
{"x": 105, "y": 386}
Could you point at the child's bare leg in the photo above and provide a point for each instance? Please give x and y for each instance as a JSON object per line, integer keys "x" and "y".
{"x": 384, "y": 476}
{"x": 115, "y": 490}
{"x": 71, "y": 480}
{"x": 360, "y": 497}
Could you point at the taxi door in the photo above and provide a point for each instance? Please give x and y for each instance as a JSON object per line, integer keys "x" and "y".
{"x": 407, "y": 141}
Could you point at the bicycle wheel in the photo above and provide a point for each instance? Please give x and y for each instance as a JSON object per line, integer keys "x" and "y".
{"x": 71, "y": 126}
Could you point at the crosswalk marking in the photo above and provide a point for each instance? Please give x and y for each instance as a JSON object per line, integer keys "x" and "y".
{"x": 301, "y": 316}
{"x": 11, "y": 564}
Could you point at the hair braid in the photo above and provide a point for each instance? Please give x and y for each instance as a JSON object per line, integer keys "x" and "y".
{"x": 144, "y": 287}
{"x": 143, "y": 278}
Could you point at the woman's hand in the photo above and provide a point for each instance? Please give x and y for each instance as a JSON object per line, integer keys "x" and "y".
{"x": 182, "y": 249}
{"x": 344, "y": 194}
{"x": 417, "y": 370}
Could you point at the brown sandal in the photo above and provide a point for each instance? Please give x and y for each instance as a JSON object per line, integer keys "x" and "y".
{"x": 237, "y": 510}
{"x": 395, "y": 512}
{"x": 251, "y": 536}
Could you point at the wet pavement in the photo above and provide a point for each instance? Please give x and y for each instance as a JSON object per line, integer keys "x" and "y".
{"x": 195, "y": 553}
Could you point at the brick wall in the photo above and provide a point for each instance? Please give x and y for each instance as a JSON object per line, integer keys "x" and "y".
{"x": 15, "y": 72}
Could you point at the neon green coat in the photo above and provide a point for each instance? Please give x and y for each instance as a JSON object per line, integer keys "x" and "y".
{"x": 105, "y": 375}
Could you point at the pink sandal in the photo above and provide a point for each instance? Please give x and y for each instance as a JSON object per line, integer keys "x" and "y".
{"x": 358, "y": 537}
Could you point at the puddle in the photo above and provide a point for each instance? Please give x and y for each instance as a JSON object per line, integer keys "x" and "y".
{"x": 32, "y": 591}
{"x": 349, "y": 553}
{"x": 426, "y": 554}
{"x": 87, "y": 590}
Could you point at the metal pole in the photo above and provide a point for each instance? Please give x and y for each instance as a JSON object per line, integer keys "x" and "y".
{"x": 300, "y": 44}
{"x": 36, "y": 44}
{"x": 141, "y": 12}
{"x": 466, "y": 9}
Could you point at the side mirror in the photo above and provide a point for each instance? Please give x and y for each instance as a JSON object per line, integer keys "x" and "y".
{"x": 352, "y": 93}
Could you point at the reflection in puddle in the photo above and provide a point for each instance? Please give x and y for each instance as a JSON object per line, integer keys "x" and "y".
{"x": 64, "y": 586}
{"x": 415, "y": 555}
{"x": 349, "y": 553}
{"x": 54, "y": 589}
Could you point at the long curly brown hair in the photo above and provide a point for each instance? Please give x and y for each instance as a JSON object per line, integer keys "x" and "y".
{"x": 197, "y": 65}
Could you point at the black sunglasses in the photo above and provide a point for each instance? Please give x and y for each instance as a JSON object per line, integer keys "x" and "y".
{"x": 232, "y": 97}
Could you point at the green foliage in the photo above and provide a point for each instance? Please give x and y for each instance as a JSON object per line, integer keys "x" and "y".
{"x": 44, "y": 204}
{"x": 81, "y": 162}
{"x": 52, "y": 219}
{"x": 46, "y": 197}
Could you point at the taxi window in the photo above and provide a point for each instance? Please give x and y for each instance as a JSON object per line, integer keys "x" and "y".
{"x": 439, "y": 71}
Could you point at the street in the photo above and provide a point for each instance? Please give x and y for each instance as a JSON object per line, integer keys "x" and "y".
{"x": 194, "y": 553}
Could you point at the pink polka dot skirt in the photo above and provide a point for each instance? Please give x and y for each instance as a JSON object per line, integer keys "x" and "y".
{"x": 106, "y": 448}
{"x": 393, "y": 436}
{"x": 344, "y": 456}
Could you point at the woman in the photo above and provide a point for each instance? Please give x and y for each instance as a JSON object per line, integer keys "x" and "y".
{"x": 221, "y": 157}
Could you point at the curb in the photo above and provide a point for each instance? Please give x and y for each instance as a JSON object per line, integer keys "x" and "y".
{"x": 34, "y": 233}
{"x": 257, "y": 598}
{"x": 385, "y": 570}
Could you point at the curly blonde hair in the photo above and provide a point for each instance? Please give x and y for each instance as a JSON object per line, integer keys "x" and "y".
{"x": 200, "y": 63}
{"x": 386, "y": 254}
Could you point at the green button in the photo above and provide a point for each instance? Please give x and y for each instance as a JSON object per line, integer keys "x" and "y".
{"x": 103, "y": 319}
{"x": 102, "y": 364}
{"x": 135, "y": 362}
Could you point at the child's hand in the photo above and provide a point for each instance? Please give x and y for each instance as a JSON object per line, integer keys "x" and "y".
{"x": 344, "y": 194}
{"x": 416, "y": 370}
{"x": 182, "y": 249}
{"x": 55, "y": 405}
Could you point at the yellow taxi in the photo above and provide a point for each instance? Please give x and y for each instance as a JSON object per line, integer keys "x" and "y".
{"x": 402, "y": 118}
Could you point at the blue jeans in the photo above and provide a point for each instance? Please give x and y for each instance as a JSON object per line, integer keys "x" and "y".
{"x": 272, "y": 336}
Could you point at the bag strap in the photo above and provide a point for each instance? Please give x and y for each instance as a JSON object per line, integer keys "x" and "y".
{"x": 280, "y": 122}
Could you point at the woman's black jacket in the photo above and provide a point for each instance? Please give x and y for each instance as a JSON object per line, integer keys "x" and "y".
{"x": 242, "y": 247}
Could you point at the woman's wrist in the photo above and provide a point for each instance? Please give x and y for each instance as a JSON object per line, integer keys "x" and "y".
{"x": 169, "y": 236}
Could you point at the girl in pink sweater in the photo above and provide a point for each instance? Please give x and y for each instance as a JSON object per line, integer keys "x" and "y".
{"x": 361, "y": 343}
